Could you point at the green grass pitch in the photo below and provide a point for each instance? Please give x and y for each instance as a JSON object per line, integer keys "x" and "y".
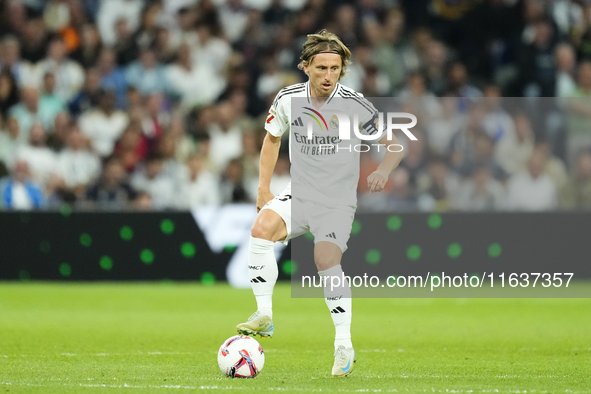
{"x": 163, "y": 338}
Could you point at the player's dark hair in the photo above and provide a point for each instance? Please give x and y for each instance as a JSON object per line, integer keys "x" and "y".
{"x": 325, "y": 41}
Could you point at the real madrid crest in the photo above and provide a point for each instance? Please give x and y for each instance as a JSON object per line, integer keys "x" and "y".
{"x": 334, "y": 122}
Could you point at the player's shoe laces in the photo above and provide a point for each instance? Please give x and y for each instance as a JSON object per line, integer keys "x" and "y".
{"x": 257, "y": 324}
{"x": 343, "y": 361}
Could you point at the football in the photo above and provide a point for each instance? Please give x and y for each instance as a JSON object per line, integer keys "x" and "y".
{"x": 241, "y": 357}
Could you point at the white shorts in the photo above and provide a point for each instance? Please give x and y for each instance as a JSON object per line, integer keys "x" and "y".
{"x": 325, "y": 222}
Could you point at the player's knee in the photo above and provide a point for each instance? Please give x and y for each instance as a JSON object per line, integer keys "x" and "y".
{"x": 326, "y": 262}
{"x": 262, "y": 229}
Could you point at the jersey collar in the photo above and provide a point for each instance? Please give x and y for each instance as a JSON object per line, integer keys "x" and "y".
{"x": 334, "y": 92}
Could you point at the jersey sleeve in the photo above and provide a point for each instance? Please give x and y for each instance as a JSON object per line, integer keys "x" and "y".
{"x": 277, "y": 122}
{"x": 368, "y": 117}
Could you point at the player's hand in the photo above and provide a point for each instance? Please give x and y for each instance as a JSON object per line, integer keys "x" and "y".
{"x": 263, "y": 197}
{"x": 376, "y": 181}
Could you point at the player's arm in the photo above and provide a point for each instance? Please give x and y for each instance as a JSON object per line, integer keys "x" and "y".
{"x": 277, "y": 124}
{"x": 377, "y": 179}
{"x": 269, "y": 154}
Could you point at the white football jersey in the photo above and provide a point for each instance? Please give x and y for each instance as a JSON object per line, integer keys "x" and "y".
{"x": 324, "y": 168}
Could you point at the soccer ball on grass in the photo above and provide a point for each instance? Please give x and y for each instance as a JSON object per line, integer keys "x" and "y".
{"x": 241, "y": 357}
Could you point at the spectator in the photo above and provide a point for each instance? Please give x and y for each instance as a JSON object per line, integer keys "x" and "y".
{"x": 459, "y": 86}
{"x": 209, "y": 49}
{"x": 564, "y": 56}
{"x": 232, "y": 188}
{"x": 104, "y": 125}
{"x": 112, "y": 11}
{"x": 576, "y": 194}
{"x": 134, "y": 98}
{"x": 287, "y": 53}
{"x": 111, "y": 192}
{"x": 87, "y": 98}
{"x": 513, "y": 152}
{"x": 416, "y": 88}
{"x": 497, "y": 122}
{"x": 436, "y": 56}
{"x": 77, "y": 165}
{"x": 143, "y": 202}
{"x": 9, "y": 141}
{"x": 276, "y": 14}
{"x": 196, "y": 84}
{"x": 554, "y": 167}
{"x": 132, "y": 148}
{"x": 32, "y": 110}
{"x": 482, "y": 157}
{"x": 34, "y": 41}
{"x": 579, "y": 113}
{"x": 345, "y": 24}
{"x": 568, "y": 16}
{"x": 11, "y": 58}
{"x": 56, "y": 140}
{"x": 112, "y": 77}
{"x": 8, "y": 92}
{"x": 19, "y": 192}
{"x": 155, "y": 119}
{"x": 146, "y": 35}
{"x": 462, "y": 146}
{"x": 69, "y": 76}
{"x": 59, "y": 15}
{"x": 536, "y": 62}
{"x": 233, "y": 17}
{"x": 273, "y": 78}
{"x": 481, "y": 192}
{"x": 437, "y": 188}
{"x": 147, "y": 75}
{"x": 50, "y": 99}
{"x": 441, "y": 130}
{"x": 172, "y": 168}
{"x": 422, "y": 40}
{"x": 185, "y": 144}
{"x": 532, "y": 190}
{"x": 185, "y": 20}
{"x": 200, "y": 187}
{"x": 225, "y": 138}
{"x": 90, "y": 47}
{"x": 126, "y": 48}
{"x": 41, "y": 160}
{"x": 363, "y": 75}
{"x": 153, "y": 180}
{"x": 388, "y": 46}
{"x": 164, "y": 46}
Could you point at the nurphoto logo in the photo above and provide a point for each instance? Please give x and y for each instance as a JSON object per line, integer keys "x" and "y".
{"x": 375, "y": 127}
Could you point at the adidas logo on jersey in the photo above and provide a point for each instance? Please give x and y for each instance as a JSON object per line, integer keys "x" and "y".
{"x": 258, "y": 279}
{"x": 297, "y": 122}
{"x": 338, "y": 309}
{"x": 331, "y": 235}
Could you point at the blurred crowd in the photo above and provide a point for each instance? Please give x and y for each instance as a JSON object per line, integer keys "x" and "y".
{"x": 139, "y": 104}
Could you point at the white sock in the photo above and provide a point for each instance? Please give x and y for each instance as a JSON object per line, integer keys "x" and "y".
{"x": 262, "y": 267}
{"x": 339, "y": 303}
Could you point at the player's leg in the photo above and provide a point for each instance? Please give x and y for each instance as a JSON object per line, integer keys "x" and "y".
{"x": 331, "y": 228}
{"x": 269, "y": 227}
{"x": 337, "y": 293}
